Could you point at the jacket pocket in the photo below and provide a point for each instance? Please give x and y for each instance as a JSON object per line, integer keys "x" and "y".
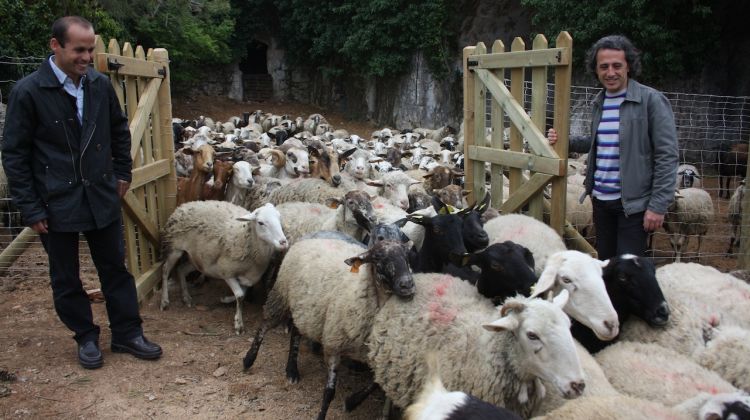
{"x": 57, "y": 182}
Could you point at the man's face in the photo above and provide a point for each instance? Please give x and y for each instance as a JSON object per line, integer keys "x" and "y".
{"x": 74, "y": 58}
{"x": 612, "y": 69}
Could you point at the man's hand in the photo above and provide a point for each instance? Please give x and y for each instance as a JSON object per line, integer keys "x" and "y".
{"x": 652, "y": 221}
{"x": 122, "y": 187}
{"x": 40, "y": 226}
{"x": 552, "y": 136}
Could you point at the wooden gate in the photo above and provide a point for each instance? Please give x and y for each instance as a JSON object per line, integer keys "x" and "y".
{"x": 141, "y": 81}
{"x": 485, "y": 73}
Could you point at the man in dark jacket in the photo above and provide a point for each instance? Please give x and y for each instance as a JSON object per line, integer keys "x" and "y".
{"x": 66, "y": 153}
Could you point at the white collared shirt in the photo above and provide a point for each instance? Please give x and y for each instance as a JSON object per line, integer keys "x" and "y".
{"x": 70, "y": 87}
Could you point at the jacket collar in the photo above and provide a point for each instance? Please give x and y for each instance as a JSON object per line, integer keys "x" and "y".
{"x": 48, "y": 78}
{"x": 633, "y": 94}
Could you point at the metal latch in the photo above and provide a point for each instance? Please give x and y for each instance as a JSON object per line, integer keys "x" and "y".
{"x": 113, "y": 64}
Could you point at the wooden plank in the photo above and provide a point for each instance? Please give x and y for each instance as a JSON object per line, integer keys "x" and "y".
{"x": 167, "y": 186}
{"x": 538, "y": 113}
{"x": 562, "y": 125}
{"x": 468, "y": 82}
{"x": 478, "y": 187}
{"x": 131, "y": 102}
{"x": 517, "y": 115}
{"x": 143, "y": 194}
{"x": 516, "y": 92}
{"x": 144, "y": 284}
{"x": 150, "y": 173}
{"x": 518, "y": 198}
{"x": 525, "y": 59}
{"x": 138, "y": 214}
{"x": 517, "y": 160}
{"x": 140, "y": 121}
{"x": 131, "y": 66}
{"x": 498, "y": 129}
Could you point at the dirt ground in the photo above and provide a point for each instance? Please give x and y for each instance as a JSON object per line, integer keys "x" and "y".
{"x": 200, "y": 374}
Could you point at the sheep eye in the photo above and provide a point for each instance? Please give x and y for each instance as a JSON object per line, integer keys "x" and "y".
{"x": 261, "y": 224}
{"x": 496, "y": 267}
{"x": 567, "y": 280}
{"x": 532, "y": 336}
{"x": 622, "y": 278}
{"x": 437, "y": 230}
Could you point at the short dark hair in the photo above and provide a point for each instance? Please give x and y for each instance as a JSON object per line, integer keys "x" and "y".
{"x": 61, "y": 25}
{"x": 615, "y": 42}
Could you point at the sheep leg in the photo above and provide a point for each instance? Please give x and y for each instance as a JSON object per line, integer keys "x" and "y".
{"x": 182, "y": 271}
{"x": 239, "y": 293}
{"x": 292, "y": 372}
{"x": 330, "y": 389}
{"x": 354, "y": 400}
{"x": 169, "y": 263}
{"x": 700, "y": 239}
{"x": 232, "y": 298}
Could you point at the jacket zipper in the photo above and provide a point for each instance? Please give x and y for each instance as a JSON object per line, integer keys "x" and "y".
{"x": 85, "y": 146}
{"x": 70, "y": 148}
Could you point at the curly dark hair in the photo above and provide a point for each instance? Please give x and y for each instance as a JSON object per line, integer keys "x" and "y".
{"x": 61, "y": 25}
{"x": 615, "y": 42}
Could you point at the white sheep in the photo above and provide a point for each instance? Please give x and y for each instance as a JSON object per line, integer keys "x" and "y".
{"x": 720, "y": 292}
{"x": 538, "y": 237}
{"x": 352, "y": 214}
{"x": 650, "y": 371}
{"x": 222, "y": 241}
{"x": 691, "y": 213}
{"x": 395, "y": 188}
{"x": 331, "y": 303}
{"x": 531, "y": 341}
{"x": 240, "y": 184}
{"x": 727, "y": 353}
{"x": 614, "y": 407}
{"x": 734, "y": 214}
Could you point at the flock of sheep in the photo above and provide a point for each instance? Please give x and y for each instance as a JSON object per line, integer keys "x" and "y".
{"x": 367, "y": 247}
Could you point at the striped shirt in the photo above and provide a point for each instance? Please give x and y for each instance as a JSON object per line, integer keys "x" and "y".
{"x": 607, "y": 174}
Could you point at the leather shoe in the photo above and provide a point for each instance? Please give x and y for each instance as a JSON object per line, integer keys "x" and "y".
{"x": 89, "y": 355}
{"x": 139, "y": 347}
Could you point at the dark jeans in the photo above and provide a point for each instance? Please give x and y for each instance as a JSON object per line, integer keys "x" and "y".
{"x": 616, "y": 233}
{"x": 118, "y": 286}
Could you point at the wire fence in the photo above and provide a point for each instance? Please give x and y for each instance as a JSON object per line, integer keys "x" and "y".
{"x": 706, "y": 124}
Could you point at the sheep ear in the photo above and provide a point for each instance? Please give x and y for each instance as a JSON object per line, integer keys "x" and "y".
{"x": 333, "y": 203}
{"x": 356, "y": 262}
{"x": 348, "y": 153}
{"x": 461, "y": 260}
{"x": 418, "y": 219}
{"x": 605, "y": 262}
{"x": 401, "y": 222}
{"x": 465, "y": 192}
{"x": 548, "y": 277}
{"x": 248, "y": 217}
{"x": 562, "y": 299}
{"x": 508, "y": 323}
{"x": 375, "y": 182}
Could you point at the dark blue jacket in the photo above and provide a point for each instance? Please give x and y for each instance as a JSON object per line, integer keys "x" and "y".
{"x": 57, "y": 169}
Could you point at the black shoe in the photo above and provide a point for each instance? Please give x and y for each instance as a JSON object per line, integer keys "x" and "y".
{"x": 139, "y": 347}
{"x": 89, "y": 355}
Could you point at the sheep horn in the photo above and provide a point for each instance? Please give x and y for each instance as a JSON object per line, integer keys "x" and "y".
{"x": 278, "y": 158}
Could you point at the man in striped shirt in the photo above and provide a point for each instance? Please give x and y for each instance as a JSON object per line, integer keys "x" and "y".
{"x": 632, "y": 163}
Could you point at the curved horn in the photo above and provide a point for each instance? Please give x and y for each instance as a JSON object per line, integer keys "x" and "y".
{"x": 278, "y": 158}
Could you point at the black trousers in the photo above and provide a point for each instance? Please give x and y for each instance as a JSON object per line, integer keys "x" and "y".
{"x": 616, "y": 233}
{"x": 118, "y": 286}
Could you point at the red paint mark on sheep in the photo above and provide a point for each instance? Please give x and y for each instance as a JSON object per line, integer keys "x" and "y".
{"x": 441, "y": 315}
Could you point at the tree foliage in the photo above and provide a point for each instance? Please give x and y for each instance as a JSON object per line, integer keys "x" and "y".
{"x": 375, "y": 38}
{"x": 673, "y": 35}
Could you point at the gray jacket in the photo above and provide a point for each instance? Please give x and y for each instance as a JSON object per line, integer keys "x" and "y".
{"x": 648, "y": 149}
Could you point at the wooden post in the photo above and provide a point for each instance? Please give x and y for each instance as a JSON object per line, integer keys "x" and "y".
{"x": 468, "y": 119}
{"x": 538, "y": 113}
{"x": 562, "y": 125}
{"x": 480, "y": 139}
{"x": 516, "y": 89}
{"x": 498, "y": 130}
{"x": 14, "y": 249}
